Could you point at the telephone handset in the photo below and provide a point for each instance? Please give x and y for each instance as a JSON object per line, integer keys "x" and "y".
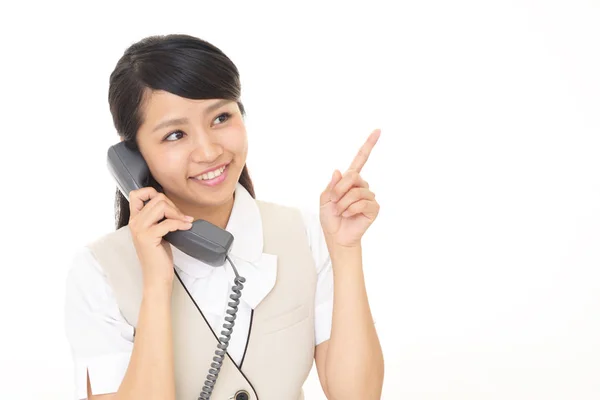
{"x": 203, "y": 241}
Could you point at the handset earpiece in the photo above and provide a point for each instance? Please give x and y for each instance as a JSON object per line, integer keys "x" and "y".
{"x": 128, "y": 168}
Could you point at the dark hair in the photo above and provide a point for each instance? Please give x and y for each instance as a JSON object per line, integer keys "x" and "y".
{"x": 180, "y": 64}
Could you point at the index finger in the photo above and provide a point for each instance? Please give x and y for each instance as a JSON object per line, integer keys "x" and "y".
{"x": 363, "y": 154}
{"x": 139, "y": 197}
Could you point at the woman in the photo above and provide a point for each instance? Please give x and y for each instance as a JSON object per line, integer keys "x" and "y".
{"x": 142, "y": 316}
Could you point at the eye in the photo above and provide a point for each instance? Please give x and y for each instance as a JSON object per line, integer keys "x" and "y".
{"x": 226, "y": 115}
{"x": 172, "y": 134}
{"x": 223, "y": 117}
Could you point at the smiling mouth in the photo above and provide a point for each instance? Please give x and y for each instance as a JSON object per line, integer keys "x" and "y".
{"x": 212, "y": 178}
{"x": 212, "y": 174}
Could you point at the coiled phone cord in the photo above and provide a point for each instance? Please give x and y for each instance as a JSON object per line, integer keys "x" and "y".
{"x": 213, "y": 372}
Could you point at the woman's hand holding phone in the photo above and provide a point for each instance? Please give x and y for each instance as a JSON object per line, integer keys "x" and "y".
{"x": 147, "y": 231}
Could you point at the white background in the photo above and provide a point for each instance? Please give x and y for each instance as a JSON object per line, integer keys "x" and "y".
{"x": 483, "y": 266}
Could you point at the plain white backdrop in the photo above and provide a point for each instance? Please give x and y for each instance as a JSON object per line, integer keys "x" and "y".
{"x": 483, "y": 268}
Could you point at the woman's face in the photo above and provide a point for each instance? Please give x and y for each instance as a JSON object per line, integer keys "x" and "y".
{"x": 195, "y": 149}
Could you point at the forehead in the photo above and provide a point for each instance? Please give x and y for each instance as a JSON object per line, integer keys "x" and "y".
{"x": 158, "y": 104}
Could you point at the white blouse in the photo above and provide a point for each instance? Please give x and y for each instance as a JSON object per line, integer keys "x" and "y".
{"x": 102, "y": 341}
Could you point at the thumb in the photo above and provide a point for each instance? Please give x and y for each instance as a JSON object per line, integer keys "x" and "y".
{"x": 326, "y": 194}
{"x": 334, "y": 180}
{"x": 331, "y": 181}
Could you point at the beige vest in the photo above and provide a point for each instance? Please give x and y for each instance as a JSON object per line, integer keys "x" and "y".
{"x": 280, "y": 349}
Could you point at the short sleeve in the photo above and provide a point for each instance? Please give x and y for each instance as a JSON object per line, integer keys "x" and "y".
{"x": 324, "y": 290}
{"x": 101, "y": 340}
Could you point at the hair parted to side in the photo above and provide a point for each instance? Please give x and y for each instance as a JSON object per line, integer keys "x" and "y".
{"x": 180, "y": 64}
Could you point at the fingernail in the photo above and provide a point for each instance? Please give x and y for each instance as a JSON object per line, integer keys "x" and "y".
{"x": 189, "y": 218}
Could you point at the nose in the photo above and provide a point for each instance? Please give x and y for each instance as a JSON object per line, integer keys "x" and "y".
{"x": 205, "y": 148}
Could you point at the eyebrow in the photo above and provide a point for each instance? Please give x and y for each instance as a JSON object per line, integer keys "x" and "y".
{"x": 180, "y": 121}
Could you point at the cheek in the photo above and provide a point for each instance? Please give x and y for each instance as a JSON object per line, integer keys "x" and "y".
{"x": 237, "y": 143}
{"x": 168, "y": 165}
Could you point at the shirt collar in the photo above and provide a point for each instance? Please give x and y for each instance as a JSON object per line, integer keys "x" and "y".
{"x": 245, "y": 224}
{"x": 259, "y": 268}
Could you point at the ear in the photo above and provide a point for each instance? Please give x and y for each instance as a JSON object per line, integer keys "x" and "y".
{"x": 122, "y": 138}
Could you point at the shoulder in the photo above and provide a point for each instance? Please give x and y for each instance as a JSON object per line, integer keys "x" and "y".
{"x": 279, "y": 210}
{"x": 276, "y": 216}
{"x": 82, "y": 263}
{"x": 309, "y": 219}
{"x": 85, "y": 275}
{"x": 86, "y": 283}
{"x": 119, "y": 236}
{"x": 316, "y": 238}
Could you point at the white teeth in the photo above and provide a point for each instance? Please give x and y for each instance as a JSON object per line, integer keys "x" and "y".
{"x": 211, "y": 174}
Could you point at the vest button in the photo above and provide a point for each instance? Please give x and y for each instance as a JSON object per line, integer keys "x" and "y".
{"x": 242, "y": 395}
